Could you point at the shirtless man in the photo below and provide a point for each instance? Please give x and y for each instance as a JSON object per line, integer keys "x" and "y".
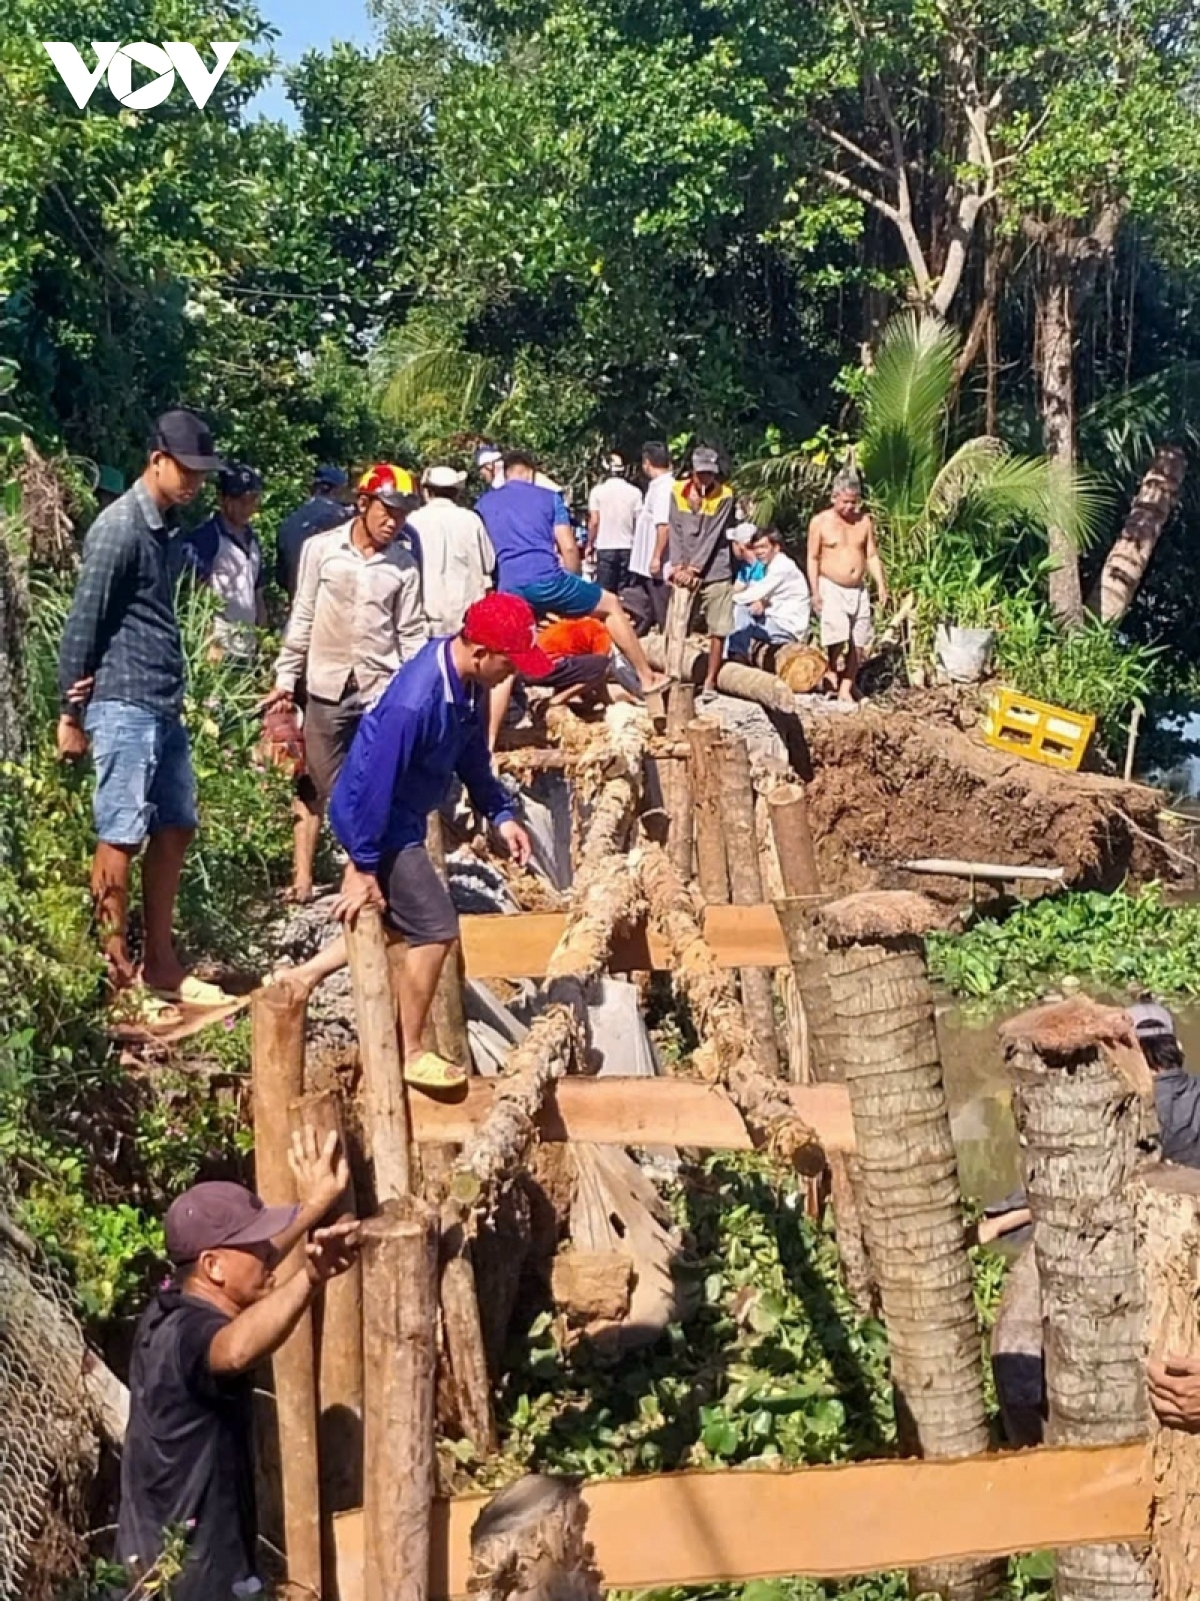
{"x": 841, "y": 551}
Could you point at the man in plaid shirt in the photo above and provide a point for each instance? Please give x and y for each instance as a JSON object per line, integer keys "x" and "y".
{"x": 122, "y": 657}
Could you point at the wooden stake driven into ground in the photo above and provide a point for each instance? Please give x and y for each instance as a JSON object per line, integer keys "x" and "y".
{"x": 277, "y": 1019}
{"x": 679, "y": 795}
{"x": 726, "y": 1052}
{"x": 884, "y": 1004}
{"x": 746, "y": 889}
{"x": 1167, "y": 1206}
{"x": 1084, "y": 1106}
{"x": 386, "y": 1112}
{"x": 712, "y": 872}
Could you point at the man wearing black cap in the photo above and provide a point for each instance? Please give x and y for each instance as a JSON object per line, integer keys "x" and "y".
{"x": 187, "y": 1467}
{"x": 121, "y": 652}
{"x": 224, "y": 554}
{"x": 325, "y": 508}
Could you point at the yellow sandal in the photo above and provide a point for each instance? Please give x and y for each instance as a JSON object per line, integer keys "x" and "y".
{"x": 429, "y": 1071}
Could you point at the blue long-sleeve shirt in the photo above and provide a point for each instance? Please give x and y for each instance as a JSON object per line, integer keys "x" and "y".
{"x": 426, "y": 728}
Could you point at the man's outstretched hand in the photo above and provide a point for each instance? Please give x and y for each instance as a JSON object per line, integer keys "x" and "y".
{"x": 517, "y": 841}
{"x": 359, "y": 889}
{"x": 1175, "y": 1391}
{"x": 331, "y": 1252}
{"x": 320, "y": 1170}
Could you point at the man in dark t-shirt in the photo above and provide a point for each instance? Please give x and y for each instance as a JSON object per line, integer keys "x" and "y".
{"x": 187, "y": 1472}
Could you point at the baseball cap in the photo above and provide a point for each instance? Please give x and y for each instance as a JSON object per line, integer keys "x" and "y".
{"x": 184, "y": 435}
{"x": 330, "y": 477}
{"x": 485, "y": 455}
{"x": 705, "y": 460}
{"x": 1152, "y": 1021}
{"x": 220, "y": 1213}
{"x": 443, "y": 478}
{"x": 394, "y": 486}
{"x": 506, "y": 624}
{"x": 235, "y": 479}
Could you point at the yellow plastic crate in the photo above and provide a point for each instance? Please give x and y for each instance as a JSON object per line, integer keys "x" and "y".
{"x": 1040, "y": 732}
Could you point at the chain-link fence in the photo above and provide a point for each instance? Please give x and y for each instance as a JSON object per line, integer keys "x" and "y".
{"x": 46, "y": 1433}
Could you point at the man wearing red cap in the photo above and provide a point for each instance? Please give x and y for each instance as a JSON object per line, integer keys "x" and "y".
{"x": 427, "y": 728}
{"x": 187, "y": 1466}
{"x": 357, "y": 615}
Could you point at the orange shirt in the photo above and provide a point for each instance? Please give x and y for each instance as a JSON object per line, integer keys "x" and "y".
{"x": 575, "y": 636}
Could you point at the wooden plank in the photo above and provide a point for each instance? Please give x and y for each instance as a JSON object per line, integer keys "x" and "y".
{"x": 710, "y": 1528}
{"x": 520, "y": 946}
{"x": 631, "y": 1111}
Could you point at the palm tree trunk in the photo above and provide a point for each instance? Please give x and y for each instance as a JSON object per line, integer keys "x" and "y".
{"x": 1133, "y": 549}
{"x": 1085, "y": 1129}
{"x": 910, "y": 1191}
{"x": 1055, "y": 322}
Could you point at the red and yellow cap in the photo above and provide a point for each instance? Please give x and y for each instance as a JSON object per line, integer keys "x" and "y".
{"x": 394, "y": 486}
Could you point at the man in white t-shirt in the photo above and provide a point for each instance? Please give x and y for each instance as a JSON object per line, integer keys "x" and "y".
{"x": 613, "y": 508}
{"x": 776, "y": 608}
{"x": 453, "y": 551}
{"x": 648, "y": 556}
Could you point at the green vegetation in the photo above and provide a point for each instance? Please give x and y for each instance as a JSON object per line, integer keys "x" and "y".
{"x": 1123, "y": 943}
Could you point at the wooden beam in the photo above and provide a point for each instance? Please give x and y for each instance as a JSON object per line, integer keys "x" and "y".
{"x": 633, "y": 1111}
{"x": 712, "y": 1528}
{"x": 519, "y": 946}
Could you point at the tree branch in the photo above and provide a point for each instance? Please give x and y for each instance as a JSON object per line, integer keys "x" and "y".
{"x": 849, "y": 146}
{"x": 841, "y": 181}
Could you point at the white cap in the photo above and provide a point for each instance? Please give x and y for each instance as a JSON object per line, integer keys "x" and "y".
{"x": 443, "y": 478}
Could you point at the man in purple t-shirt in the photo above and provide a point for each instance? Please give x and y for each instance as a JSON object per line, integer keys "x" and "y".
{"x": 538, "y": 559}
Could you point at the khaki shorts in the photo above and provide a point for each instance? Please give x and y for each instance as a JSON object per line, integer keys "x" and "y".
{"x": 845, "y": 615}
{"x": 716, "y": 607}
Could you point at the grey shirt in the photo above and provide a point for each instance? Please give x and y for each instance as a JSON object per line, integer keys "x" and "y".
{"x": 1177, "y": 1100}
{"x": 122, "y": 626}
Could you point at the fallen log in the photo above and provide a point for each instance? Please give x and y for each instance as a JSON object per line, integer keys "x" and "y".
{"x": 948, "y": 867}
{"x": 734, "y": 678}
{"x": 726, "y": 1053}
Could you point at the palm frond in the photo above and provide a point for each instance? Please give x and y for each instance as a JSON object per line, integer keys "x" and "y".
{"x": 999, "y": 488}
{"x": 420, "y": 372}
{"x": 1119, "y": 433}
{"x": 783, "y": 488}
{"x": 959, "y": 477}
{"x": 905, "y": 398}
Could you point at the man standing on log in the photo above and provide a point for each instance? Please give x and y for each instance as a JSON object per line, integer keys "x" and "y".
{"x": 427, "y": 729}
{"x": 187, "y": 1469}
{"x": 122, "y": 657}
{"x": 701, "y": 517}
{"x": 841, "y": 552}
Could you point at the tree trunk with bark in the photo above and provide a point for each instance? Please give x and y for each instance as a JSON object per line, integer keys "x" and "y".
{"x": 679, "y": 795}
{"x": 386, "y": 1109}
{"x": 530, "y": 1544}
{"x": 1167, "y": 1206}
{"x": 1084, "y": 1105}
{"x": 1055, "y": 322}
{"x": 746, "y": 889}
{"x": 712, "y": 871}
{"x": 910, "y": 1190}
{"x": 1133, "y": 549}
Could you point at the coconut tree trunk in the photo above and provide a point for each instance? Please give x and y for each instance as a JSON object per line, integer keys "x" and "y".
{"x": 1055, "y": 324}
{"x": 1084, "y": 1106}
{"x": 1133, "y": 549}
{"x": 910, "y": 1191}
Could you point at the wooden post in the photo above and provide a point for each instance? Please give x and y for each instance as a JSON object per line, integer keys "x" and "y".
{"x": 400, "y": 1284}
{"x": 746, "y": 889}
{"x": 675, "y": 634}
{"x": 386, "y": 1107}
{"x": 463, "y": 1329}
{"x": 681, "y": 710}
{"x": 339, "y": 1354}
{"x": 277, "y": 1019}
{"x": 884, "y": 1001}
{"x": 788, "y": 806}
{"x": 1167, "y": 1207}
{"x": 704, "y": 737}
{"x": 530, "y": 1544}
{"x": 1084, "y": 1106}
{"x": 448, "y": 1019}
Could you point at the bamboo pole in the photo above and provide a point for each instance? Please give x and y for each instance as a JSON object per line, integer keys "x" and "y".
{"x": 277, "y": 1020}
{"x": 883, "y": 999}
{"x": 726, "y": 1053}
{"x": 530, "y": 1544}
{"x": 1167, "y": 1208}
{"x": 400, "y": 1281}
{"x": 339, "y": 1353}
{"x": 704, "y": 737}
{"x": 1084, "y": 1105}
{"x": 746, "y": 889}
{"x": 386, "y": 1110}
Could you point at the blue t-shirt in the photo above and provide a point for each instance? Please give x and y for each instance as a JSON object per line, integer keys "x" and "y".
{"x": 520, "y": 519}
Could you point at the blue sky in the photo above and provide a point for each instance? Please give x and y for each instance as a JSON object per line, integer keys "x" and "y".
{"x": 308, "y": 25}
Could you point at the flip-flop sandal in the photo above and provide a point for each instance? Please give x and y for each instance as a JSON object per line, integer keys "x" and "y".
{"x": 142, "y": 1007}
{"x": 429, "y": 1071}
{"x": 196, "y": 992}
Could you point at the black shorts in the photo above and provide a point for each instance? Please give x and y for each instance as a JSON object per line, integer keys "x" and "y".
{"x": 418, "y": 903}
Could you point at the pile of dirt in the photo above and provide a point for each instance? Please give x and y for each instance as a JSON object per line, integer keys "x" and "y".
{"x": 892, "y": 784}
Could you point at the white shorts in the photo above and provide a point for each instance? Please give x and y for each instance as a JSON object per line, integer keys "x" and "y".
{"x": 845, "y": 614}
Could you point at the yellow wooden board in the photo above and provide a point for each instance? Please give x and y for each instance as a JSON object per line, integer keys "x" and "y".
{"x": 708, "y": 1528}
